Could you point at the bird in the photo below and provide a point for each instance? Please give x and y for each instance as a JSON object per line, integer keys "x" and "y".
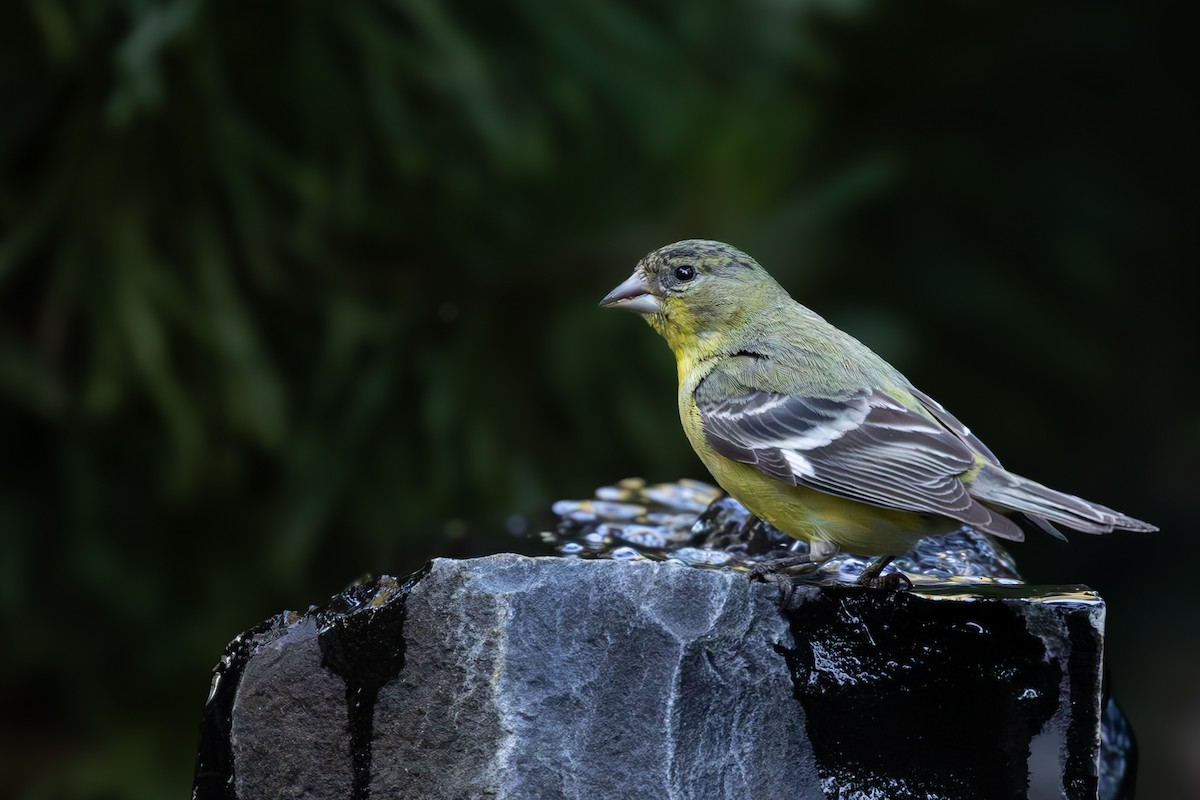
{"x": 813, "y": 431}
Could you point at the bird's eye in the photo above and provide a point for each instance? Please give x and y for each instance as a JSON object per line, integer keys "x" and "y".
{"x": 685, "y": 272}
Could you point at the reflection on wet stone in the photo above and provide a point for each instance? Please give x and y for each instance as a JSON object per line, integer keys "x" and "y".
{"x": 693, "y": 522}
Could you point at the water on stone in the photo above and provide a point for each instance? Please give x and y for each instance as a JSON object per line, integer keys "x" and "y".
{"x": 695, "y": 523}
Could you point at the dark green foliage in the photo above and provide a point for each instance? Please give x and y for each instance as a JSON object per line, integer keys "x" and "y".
{"x": 290, "y": 292}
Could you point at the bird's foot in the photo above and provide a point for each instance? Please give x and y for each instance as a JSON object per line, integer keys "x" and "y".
{"x": 783, "y": 571}
{"x": 893, "y": 581}
{"x": 780, "y": 569}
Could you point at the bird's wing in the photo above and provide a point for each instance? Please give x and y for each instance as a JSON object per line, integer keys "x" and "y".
{"x": 868, "y": 447}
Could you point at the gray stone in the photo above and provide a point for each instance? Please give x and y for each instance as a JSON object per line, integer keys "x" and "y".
{"x": 292, "y": 722}
{"x": 562, "y": 678}
{"x": 515, "y": 677}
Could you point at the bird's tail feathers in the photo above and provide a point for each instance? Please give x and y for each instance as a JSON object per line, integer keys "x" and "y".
{"x": 1044, "y": 505}
{"x": 1046, "y": 526}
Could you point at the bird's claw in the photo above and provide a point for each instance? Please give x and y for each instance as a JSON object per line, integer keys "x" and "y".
{"x": 781, "y": 568}
{"x": 874, "y": 578}
{"x": 893, "y": 581}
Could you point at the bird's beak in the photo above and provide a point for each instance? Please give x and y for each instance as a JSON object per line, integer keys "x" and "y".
{"x": 633, "y": 295}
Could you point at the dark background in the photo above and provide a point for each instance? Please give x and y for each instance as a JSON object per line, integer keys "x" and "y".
{"x": 294, "y": 292}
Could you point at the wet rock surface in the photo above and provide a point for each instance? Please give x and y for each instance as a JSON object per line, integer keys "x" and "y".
{"x": 516, "y": 677}
{"x": 693, "y": 523}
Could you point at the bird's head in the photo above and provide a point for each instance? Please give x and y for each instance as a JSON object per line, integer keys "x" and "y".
{"x": 696, "y": 291}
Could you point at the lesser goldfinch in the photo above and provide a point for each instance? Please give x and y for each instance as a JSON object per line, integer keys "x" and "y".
{"x": 815, "y": 433}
